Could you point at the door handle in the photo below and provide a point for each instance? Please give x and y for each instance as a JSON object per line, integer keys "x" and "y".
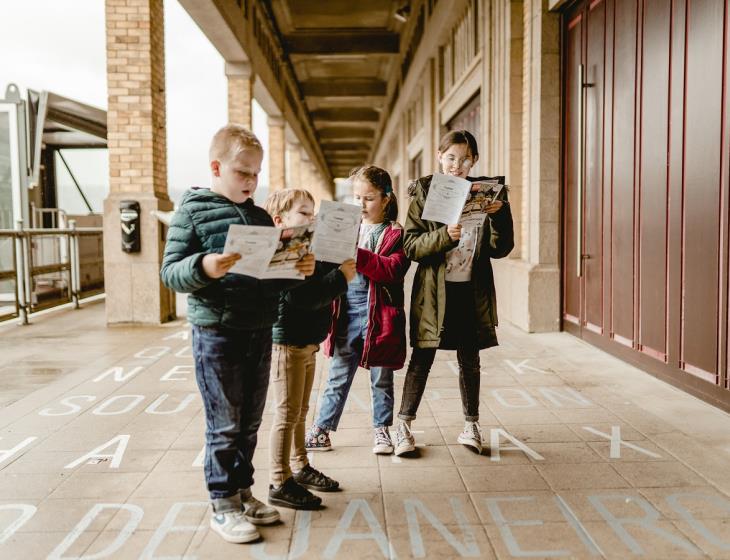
{"x": 581, "y": 171}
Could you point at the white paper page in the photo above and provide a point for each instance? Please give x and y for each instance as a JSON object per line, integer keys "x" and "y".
{"x": 445, "y": 200}
{"x": 293, "y": 245}
{"x": 255, "y": 244}
{"x": 336, "y": 231}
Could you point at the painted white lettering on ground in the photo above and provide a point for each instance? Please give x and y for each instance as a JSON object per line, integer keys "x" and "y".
{"x": 467, "y": 547}
{"x": 5, "y": 454}
{"x": 501, "y": 395}
{"x": 299, "y": 545}
{"x": 168, "y": 526}
{"x": 120, "y": 441}
{"x": 341, "y": 533}
{"x": 566, "y": 394}
{"x": 200, "y": 458}
{"x": 175, "y": 371}
{"x": 508, "y": 536}
{"x": 26, "y": 512}
{"x": 118, "y": 374}
{"x": 719, "y": 501}
{"x": 647, "y": 522}
{"x": 495, "y": 447}
{"x": 134, "y": 400}
{"x": 179, "y": 335}
{"x": 617, "y": 442}
{"x": 182, "y": 405}
{"x": 152, "y": 352}
{"x": 184, "y": 352}
{"x": 135, "y": 516}
{"x": 73, "y": 408}
{"x": 522, "y": 367}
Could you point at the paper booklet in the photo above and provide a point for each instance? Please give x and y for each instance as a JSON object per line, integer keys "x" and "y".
{"x": 336, "y": 231}
{"x": 454, "y": 200}
{"x": 268, "y": 252}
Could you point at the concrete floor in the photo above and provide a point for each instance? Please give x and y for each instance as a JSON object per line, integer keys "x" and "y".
{"x": 594, "y": 458}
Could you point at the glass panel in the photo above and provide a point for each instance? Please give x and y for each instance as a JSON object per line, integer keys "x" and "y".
{"x": 91, "y": 170}
{"x": 6, "y": 182}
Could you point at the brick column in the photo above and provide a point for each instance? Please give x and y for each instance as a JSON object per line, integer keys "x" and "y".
{"x": 293, "y": 165}
{"x": 277, "y": 154}
{"x": 240, "y": 93}
{"x": 137, "y": 160}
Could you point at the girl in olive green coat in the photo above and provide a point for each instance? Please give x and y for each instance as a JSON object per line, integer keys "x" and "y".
{"x": 453, "y": 303}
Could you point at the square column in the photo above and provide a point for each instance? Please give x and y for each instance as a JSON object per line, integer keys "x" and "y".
{"x": 240, "y": 93}
{"x": 137, "y": 160}
{"x": 277, "y": 154}
{"x": 293, "y": 164}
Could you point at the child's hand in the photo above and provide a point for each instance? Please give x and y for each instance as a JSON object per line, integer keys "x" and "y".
{"x": 349, "y": 269}
{"x": 305, "y": 265}
{"x": 454, "y": 231}
{"x": 216, "y": 266}
{"x": 494, "y": 206}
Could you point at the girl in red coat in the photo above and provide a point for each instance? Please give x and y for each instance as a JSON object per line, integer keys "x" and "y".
{"x": 369, "y": 326}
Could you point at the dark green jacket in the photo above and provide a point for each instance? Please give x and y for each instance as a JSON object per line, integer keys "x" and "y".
{"x": 305, "y": 312}
{"x": 200, "y": 226}
{"x": 427, "y": 243}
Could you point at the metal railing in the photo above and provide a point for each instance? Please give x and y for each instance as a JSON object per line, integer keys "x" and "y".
{"x": 44, "y": 268}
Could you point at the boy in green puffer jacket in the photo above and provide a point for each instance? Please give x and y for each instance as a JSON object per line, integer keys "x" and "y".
{"x": 231, "y": 317}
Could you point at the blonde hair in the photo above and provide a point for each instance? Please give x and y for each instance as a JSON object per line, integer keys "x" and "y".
{"x": 230, "y": 140}
{"x": 280, "y": 202}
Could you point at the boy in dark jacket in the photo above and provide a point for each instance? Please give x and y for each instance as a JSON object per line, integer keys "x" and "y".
{"x": 304, "y": 320}
{"x": 231, "y": 318}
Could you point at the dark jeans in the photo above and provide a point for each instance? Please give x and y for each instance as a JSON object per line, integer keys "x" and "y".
{"x": 232, "y": 371}
{"x": 417, "y": 375}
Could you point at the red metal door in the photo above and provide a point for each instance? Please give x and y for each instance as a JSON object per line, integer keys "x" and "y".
{"x": 646, "y": 197}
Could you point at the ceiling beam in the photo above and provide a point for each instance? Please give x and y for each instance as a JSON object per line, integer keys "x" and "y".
{"x": 345, "y": 132}
{"x": 333, "y": 144}
{"x": 364, "y": 114}
{"x": 344, "y": 88}
{"x": 343, "y": 41}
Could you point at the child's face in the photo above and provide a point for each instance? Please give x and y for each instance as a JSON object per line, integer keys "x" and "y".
{"x": 371, "y": 200}
{"x": 457, "y": 160}
{"x": 300, "y": 214}
{"x": 236, "y": 178}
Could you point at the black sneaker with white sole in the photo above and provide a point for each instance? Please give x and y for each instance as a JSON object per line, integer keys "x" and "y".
{"x": 292, "y": 495}
{"x": 311, "y": 478}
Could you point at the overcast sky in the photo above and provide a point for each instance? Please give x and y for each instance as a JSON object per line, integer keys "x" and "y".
{"x": 60, "y": 46}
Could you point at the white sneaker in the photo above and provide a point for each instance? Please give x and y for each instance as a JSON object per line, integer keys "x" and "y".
{"x": 404, "y": 440}
{"x": 256, "y": 511}
{"x": 383, "y": 443}
{"x": 233, "y": 527}
{"x": 471, "y": 437}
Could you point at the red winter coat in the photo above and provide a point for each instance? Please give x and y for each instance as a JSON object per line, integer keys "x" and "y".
{"x": 385, "y": 340}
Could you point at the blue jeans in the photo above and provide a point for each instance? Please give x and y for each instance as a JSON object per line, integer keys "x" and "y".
{"x": 232, "y": 371}
{"x": 348, "y": 348}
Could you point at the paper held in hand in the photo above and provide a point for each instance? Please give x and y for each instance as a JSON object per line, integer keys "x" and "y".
{"x": 268, "y": 252}
{"x": 481, "y": 195}
{"x": 454, "y": 200}
{"x": 446, "y": 197}
{"x": 336, "y": 231}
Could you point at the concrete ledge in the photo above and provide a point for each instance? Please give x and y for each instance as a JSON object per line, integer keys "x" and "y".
{"x": 528, "y": 294}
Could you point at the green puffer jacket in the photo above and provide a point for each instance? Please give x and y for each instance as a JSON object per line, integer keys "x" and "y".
{"x": 427, "y": 243}
{"x": 200, "y": 226}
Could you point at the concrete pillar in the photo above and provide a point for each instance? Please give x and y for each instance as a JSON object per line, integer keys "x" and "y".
{"x": 293, "y": 164}
{"x": 277, "y": 154}
{"x": 137, "y": 160}
{"x": 529, "y": 287}
{"x": 240, "y": 93}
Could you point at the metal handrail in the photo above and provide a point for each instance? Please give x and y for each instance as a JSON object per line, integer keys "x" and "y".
{"x": 24, "y": 270}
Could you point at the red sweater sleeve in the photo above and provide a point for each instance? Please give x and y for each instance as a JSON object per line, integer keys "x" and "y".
{"x": 385, "y": 269}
